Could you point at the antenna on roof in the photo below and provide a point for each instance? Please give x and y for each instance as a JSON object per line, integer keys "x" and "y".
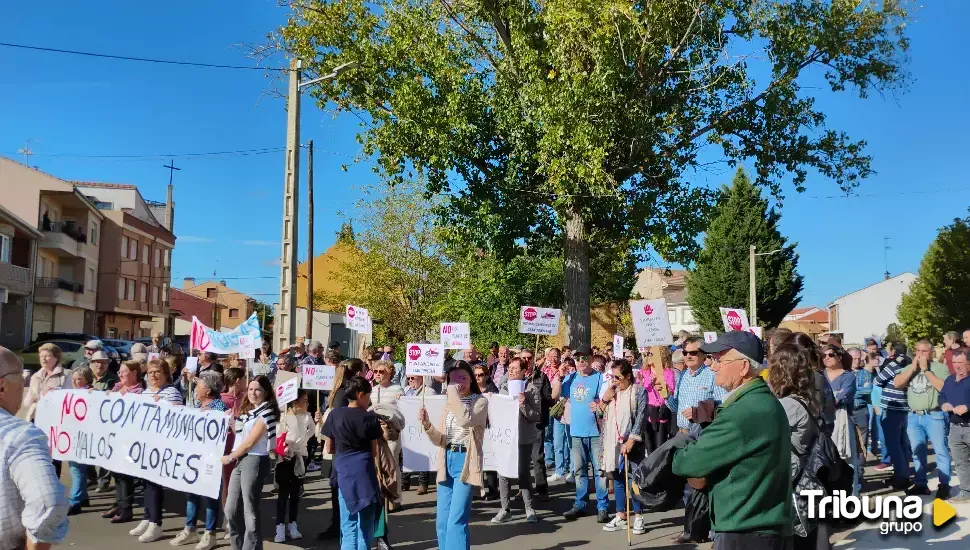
{"x": 885, "y": 254}
{"x": 26, "y": 151}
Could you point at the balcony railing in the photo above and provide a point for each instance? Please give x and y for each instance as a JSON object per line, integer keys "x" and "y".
{"x": 55, "y": 282}
{"x": 15, "y": 278}
{"x": 68, "y": 228}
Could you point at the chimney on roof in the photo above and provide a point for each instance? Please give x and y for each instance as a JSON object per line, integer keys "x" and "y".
{"x": 188, "y": 282}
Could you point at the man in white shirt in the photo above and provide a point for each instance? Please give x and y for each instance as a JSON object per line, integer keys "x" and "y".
{"x": 33, "y": 504}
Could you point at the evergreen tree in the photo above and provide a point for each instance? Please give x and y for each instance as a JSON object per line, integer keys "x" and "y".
{"x": 720, "y": 275}
{"x": 939, "y": 299}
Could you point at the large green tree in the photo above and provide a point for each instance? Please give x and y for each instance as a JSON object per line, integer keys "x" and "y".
{"x": 575, "y": 126}
{"x": 721, "y": 278}
{"x": 939, "y": 300}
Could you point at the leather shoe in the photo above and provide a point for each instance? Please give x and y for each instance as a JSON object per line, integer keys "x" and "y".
{"x": 112, "y": 512}
{"x": 123, "y": 517}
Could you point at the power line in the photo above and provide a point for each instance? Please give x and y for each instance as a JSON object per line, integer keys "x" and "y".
{"x": 141, "y": 59}
{"x": 162, "y": 156}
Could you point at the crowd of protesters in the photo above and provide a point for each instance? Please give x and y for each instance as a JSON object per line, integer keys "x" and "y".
{"x": 732, "y": 421}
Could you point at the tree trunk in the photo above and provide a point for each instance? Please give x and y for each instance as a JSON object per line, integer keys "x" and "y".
{"x": 576, "y": 255}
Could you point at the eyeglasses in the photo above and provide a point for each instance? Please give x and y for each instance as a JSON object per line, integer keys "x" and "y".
{"x": 582, "y": 357}
{"x": 694, "y": 353}
{"x": 831, "y": 355}
{"x": 382, "y": 371}
{"x": 479, "y": 375}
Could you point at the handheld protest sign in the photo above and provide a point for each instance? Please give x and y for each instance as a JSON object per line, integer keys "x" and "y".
{"x": 456, "y": 335}
{"x": 539, "y": 320}
{"x": 425, "y": 360}
{"x": 651, "y": 323}
{"x": 734, "y": 319}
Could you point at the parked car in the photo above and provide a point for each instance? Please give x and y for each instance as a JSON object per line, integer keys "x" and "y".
{"x": 65, "y": 336}
{"x": 71, "y": 351}
{"x": 123, "y": 347}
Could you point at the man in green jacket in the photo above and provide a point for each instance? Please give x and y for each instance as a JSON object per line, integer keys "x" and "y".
{"x": 743, "y": 457}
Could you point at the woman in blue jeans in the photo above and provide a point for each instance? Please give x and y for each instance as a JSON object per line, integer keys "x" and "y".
{"x": 208, "y": 387}
{"x": 81, "y": 378}
{"x": 459, "y": 437}
{"x": 351, "y": 434}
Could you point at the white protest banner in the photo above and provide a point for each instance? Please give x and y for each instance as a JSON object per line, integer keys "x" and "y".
{"x": 456, "y": 336}
{"x": 286, "y": 391}
{"x": 425, "y": 360}
{"x": 204, "y": 338}
{"x": 539, "y": 320}
{"x": 357, "y": 318}
{"x": 318, "y": 377}
{"x": 710, "y": 337}
{"x": 500, "y": 449}
{"x": 192, "y": 364}
{"x": 651, "y": 322}
{"x": 178, "y": 447}
{"x": 617, "y": 346}
{"x": 734, "y": 319}
{"x": 757, "y": 331}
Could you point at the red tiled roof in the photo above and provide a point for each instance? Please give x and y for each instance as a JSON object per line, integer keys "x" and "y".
{"x": 821, "y": 316}
{"x": 190, "y": 305}
{"x": 800, "y": 310}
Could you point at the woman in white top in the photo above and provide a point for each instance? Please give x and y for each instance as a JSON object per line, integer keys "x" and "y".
{"x": 158, "y": 383}
{"x": 297, "y": 426}
{"x": 257, "y": 419}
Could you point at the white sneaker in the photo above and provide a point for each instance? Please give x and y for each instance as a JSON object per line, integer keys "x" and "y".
{"x": 185, "y": 536}
{"x": 639, "y": 526}
{"x": 570, "y": 478}
{"x": 615, "y": 524}
{"x": 208, "y": 541}
{"x": 530, "y": 515}
{"x": 501, "y": 517}
{"x": 314, "y": 467}
{"x": 153, "y": 533}
{"x": 139, "y": 529}
{"x": 280, "y": 533}
{"x": 292, "y": 532}
{"x": 553, "y": 478}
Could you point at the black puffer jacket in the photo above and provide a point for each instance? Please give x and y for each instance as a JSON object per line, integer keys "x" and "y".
{"x": 655, "y": 485}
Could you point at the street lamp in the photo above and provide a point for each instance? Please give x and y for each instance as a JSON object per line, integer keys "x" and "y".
{"x": 753, "y": 306}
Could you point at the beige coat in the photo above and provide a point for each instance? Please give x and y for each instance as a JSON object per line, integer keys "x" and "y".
{"x": 475, "y": 419}
{"x": 40, "y": 383}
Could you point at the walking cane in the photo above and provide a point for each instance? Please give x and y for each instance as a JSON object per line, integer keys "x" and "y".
{"x": 626, "y": 473}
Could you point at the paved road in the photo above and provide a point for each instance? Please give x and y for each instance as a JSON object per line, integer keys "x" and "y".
{"x": 413, "y": 527}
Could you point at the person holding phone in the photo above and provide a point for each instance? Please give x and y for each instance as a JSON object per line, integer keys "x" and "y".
{"x": 459, "y": 437}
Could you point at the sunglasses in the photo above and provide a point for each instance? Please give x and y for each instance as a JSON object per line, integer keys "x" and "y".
{"x": 479, "y": 375}
{"x": 382, "y": 371}
{"x": 694, "y": 353}
{"x": 830, "y": 354}
{"x": 582, "y": 357}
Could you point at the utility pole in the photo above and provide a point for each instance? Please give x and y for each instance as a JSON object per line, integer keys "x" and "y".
{"x": 753, "y": 297}
{"x": 309, "y": 243}
{"x": 291, "y": 187}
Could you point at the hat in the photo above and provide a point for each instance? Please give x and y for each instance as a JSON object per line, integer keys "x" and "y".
{"x": 94, "y": 344}
{"x": 100, "y": 356}
{"x": 742, "y": 341}
{"x": 583, "y": 350}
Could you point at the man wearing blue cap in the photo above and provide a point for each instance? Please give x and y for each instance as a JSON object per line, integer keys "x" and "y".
{"x": 742, "y": 458}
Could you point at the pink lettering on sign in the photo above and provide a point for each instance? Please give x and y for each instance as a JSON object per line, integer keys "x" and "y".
{"x": 431, "y": 352}
{"x": 76, "y": 407}
{"x": 529, "y": 314}
{"x": 734, "y": 320}
{"x": 351, "y": 312}
{"x": 647, "y": 309}
{"x": 446, "y": 329}
{"x": 414, "y": 352}
{"x": 279, "y": 392}
{"x": 59, "y": 440}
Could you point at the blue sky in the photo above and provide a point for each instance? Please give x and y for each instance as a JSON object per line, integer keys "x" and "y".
{"x": 228, "y": 208}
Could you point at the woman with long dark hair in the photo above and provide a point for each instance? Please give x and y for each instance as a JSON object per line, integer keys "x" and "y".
{"x": 823, "y": 390}
{"x": 791, "y": 377}
{"x": 459, "y": 436}
{"x": 255, "y": 430}
{"x": 837, "y": 371}
{"x": 346, "y": 371}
